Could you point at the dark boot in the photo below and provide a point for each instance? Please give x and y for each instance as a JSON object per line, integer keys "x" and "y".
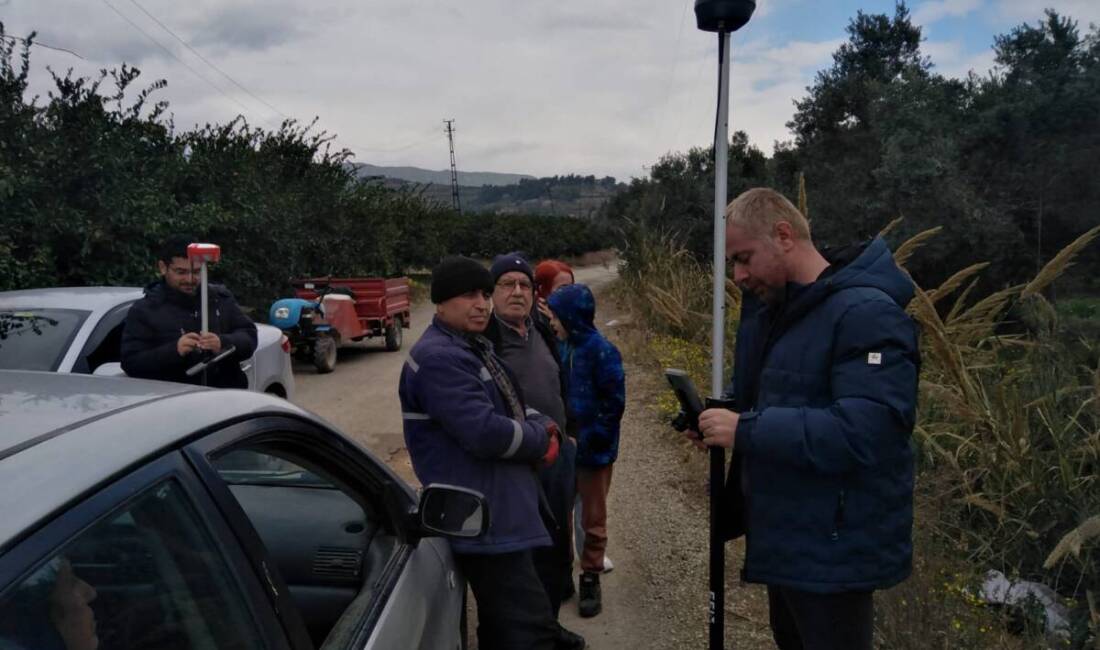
{"x": 568, "y": 640}
{"x": 590, "y": 602}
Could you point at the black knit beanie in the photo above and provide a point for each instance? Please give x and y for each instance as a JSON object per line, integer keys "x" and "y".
{"x": 457, "y": 275}
{"x": 511, "y": 262}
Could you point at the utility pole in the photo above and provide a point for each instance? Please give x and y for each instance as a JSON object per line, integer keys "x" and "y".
{"x": 454, "y": 169}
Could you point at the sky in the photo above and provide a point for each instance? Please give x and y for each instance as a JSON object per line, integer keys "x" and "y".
{"x": 600, "y": 87}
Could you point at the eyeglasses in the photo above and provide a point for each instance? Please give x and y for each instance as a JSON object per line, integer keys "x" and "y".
{"x": 510, "y": 285}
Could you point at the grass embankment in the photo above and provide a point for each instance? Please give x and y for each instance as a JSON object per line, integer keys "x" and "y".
{"x": 1007, "y": 442}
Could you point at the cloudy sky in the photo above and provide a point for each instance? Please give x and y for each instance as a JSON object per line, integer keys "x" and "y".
{"x": 537, "y": 87}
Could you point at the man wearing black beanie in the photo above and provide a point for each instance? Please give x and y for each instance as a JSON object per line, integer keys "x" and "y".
{"x": 466, "y": 424}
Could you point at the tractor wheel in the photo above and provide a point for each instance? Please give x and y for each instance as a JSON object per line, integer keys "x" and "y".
{"x": 324, "y": 354}
{"x": 394, "y": 335}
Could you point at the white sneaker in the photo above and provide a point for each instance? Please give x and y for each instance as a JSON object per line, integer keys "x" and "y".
{"x": 608, "y": 565}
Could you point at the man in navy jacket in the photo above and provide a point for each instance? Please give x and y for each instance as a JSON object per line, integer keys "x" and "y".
{"x": 825, "y": 390}
{"x": 466, "y": 424}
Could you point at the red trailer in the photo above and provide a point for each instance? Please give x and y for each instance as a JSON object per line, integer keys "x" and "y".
{"x": 349, "y": 309}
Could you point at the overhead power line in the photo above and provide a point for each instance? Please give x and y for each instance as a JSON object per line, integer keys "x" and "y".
{"x": 207, "y": 61}
{"x": 229, "y": 78}
{"x": 248, "y": 92}
{"x": 172, "y": 54}
{"x": 40, "y": 44}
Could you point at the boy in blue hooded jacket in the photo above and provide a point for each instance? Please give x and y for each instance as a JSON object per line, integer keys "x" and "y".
{"x": 597, "y": 397}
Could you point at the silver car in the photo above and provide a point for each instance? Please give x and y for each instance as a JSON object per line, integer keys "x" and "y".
{"x": 141, "y": 514}
{"x": 79, "y": 329}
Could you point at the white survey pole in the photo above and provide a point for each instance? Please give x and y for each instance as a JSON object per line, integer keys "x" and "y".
{"x": 716, "y": 608}
{"x": 723, "y": 17}
{"x": 721, "y": 165}
{"x": 203, "y": 254}
{"x": 204, "y": 308}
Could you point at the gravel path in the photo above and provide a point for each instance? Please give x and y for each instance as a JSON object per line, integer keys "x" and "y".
{"x": 656, "y": 597}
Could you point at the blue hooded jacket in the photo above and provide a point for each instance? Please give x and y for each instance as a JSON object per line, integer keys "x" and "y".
{"x": 827, "y": 387}
{"x": 596, "y": 383}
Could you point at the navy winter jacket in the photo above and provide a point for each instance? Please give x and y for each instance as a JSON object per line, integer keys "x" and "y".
{"x": 459, "y": 431}
{"x": 596, "y": 383}
{"x": 155, "y": 323}
{"x": 827, "y": 385}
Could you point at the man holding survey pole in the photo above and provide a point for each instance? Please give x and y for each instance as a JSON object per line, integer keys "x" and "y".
{"x": 164, "y": 336}
{"x": 824, "y": 402}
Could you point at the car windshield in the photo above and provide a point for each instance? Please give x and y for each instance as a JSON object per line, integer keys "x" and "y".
{"x": 36, "y": 339}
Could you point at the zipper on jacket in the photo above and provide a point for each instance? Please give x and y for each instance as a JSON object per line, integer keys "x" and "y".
{"x": 838, "y": 518}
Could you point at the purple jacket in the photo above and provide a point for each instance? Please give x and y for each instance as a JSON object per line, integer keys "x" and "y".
{"x": 459, "y": 431}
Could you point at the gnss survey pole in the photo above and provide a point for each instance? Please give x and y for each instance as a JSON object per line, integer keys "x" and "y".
{"x": 723, "y": 17}
{"x": 203, "y": 254}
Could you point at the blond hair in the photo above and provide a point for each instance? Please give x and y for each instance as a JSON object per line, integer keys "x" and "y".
{"x": 758, "y": 210}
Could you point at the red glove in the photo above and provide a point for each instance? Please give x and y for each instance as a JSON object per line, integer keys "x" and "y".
{"x": 552, "y": 449}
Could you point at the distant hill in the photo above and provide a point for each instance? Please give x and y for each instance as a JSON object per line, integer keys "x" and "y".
{"x": 562, "y": 196}
{"x": 443, "y": 177}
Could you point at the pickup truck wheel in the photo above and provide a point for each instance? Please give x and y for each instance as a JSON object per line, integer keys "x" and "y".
{"x": 324, "y": 354}
{"x": 394, "y": 335}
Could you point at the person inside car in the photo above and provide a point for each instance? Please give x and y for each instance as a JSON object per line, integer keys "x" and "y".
{"x": 162, "y": 337}
{"x": 52, "y": 612}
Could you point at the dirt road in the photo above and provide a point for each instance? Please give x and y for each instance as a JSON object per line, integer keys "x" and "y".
{"x": 656, "y": 596}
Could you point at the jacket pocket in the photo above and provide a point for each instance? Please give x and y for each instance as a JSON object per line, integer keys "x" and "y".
{"x": 838, "y": 516}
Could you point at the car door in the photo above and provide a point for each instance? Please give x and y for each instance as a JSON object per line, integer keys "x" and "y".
{"x": 145, "y": 563}
{"x": 325, "y": 518}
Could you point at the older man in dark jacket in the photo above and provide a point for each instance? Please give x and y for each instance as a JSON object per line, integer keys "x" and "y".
{"x": 466, "y": 424}
{"x": 825, "y": 390}
{"x": 523, "y": 339}
{"x": 162, "y": 337}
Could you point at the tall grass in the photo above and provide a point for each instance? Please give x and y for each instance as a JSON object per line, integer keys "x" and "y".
{"x": 668, "y": 290}
{"x": 1010, "y": 424}
{"x": 1008, "y": 439}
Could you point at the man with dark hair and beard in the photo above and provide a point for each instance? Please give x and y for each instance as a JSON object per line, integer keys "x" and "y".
{"x": 162, "y": 337}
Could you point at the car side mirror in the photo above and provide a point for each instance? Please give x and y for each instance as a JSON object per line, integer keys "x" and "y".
{"x": 453, "y": 511}
{"x": 110, "y": 369}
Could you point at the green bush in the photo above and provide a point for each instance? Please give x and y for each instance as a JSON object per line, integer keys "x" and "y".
{"x": 95, "y": 177}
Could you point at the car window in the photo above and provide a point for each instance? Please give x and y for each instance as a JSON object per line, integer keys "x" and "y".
{"x": 109, "y": 350}
{"x": 250, "y": 467}
{"x": 148, "y": 576}
{"x": 327, "y": 541}
{"x": 104, "y": 344}
{"x": 37, "y": 339}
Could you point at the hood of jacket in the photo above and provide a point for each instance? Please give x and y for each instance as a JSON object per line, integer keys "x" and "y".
{"x": 870, "y": 264}
{"x": 866, "y": 265}
{"x": 575, "y": 307}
